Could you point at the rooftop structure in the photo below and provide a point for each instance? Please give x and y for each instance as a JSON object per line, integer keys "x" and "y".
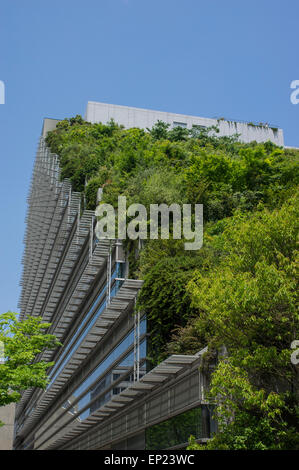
{"x": 146, "y": 118}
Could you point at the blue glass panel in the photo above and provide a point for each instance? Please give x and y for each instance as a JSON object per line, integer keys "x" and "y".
{"x": 106, "y": 381}
{"x": 86, "y": 326}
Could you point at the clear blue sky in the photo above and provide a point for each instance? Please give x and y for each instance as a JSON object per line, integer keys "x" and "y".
{"x": 209, "y": 58}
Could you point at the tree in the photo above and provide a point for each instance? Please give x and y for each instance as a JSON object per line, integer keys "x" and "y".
{"x": 251, "y": 417}
{"x": 21, "y": 342}
{"x": 178, "y": 133}
{"x": 249, "y": 303}
{"x": 159, "y": 130}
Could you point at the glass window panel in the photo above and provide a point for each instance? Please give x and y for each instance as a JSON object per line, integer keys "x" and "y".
{"x": 175, "y": 431}
{"x": 179, "y": 124}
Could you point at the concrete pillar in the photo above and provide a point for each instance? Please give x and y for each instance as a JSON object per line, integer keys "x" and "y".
{"x": 7, "y": 416}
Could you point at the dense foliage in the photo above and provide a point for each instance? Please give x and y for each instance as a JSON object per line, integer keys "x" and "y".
{"x": 220, "y": 172}
{"x": 238, "y": 293}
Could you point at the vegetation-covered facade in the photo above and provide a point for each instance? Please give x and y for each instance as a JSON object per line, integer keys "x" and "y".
{"x": 237, "y": 295}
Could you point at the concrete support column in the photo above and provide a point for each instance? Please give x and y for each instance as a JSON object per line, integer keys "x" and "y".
{"x": 7, "y": 415}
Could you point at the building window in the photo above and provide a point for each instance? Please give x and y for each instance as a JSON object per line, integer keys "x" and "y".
{"x": 177, "y": 430}
{"x": 179, "y": 124}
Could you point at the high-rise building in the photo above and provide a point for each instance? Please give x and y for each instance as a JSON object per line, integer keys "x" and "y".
{"x": 101, "y": 394}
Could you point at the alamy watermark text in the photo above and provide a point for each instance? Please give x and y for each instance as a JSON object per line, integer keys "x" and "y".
{"x": 187, "y": 222}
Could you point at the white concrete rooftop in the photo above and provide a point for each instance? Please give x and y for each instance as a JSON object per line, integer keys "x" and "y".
{"x": 145, "y": 118}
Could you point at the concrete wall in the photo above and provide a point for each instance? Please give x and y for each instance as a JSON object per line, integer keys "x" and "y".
{"x": 7, "y": 415}
{"x": 49, "y": 124}
{"x": 145, "y": 118}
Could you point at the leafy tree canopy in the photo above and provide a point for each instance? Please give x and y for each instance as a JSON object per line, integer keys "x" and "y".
{"x": 21, "y": 342}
